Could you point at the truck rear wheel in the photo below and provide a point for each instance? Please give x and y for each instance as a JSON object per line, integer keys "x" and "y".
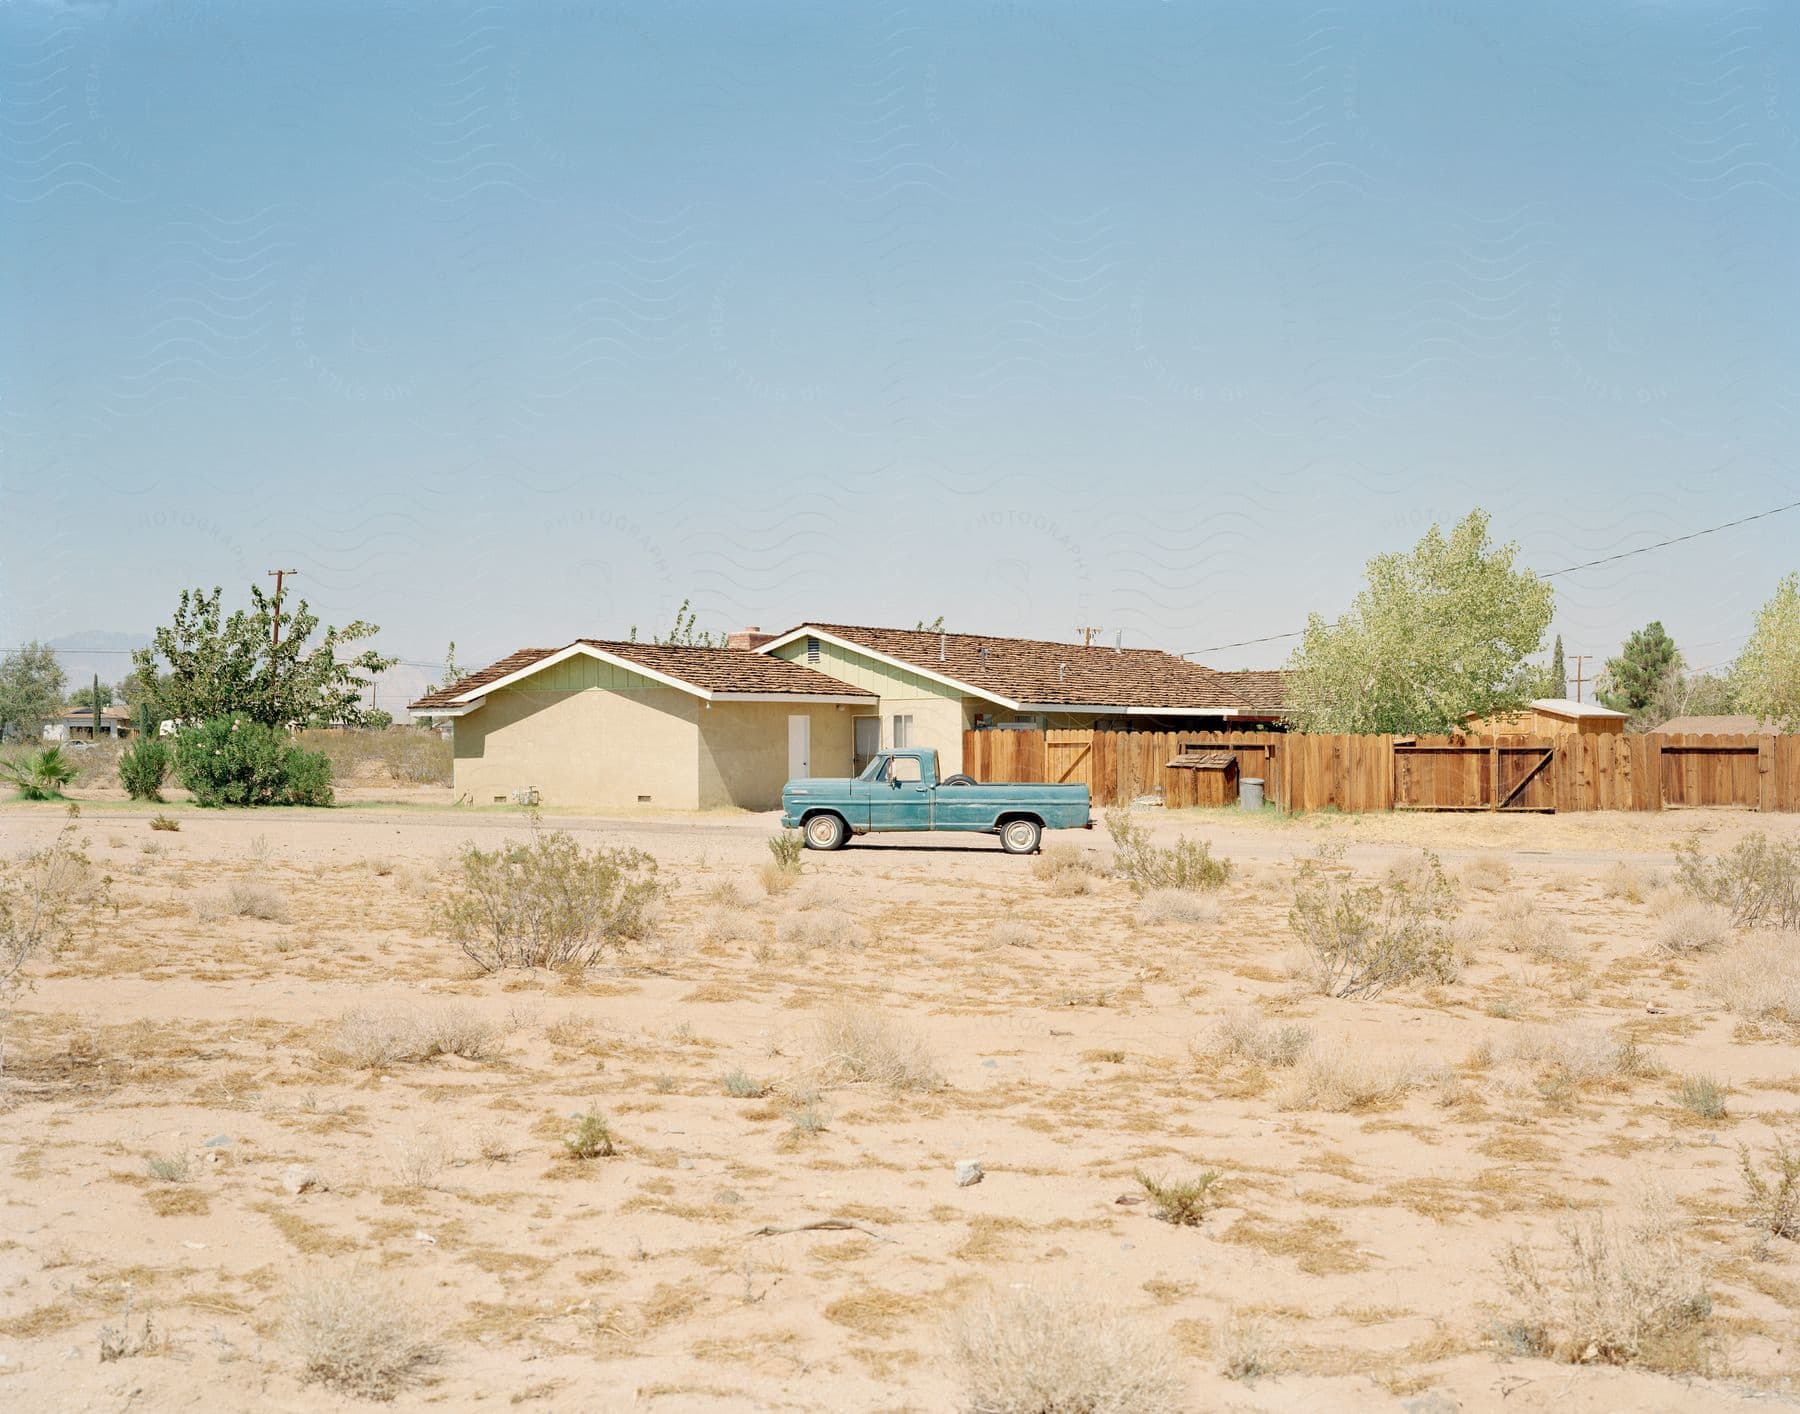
{"x": 1021, "y": 836}
{"x": 825, "y": 832}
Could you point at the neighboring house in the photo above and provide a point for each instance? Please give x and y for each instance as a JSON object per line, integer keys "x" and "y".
{"x": 604, "y": 724}
{"x": 1733, "y": 724}
{"x": 77, "y": 724}
{"x": 928, "y": 688}
{"x": 1550, "y": 717}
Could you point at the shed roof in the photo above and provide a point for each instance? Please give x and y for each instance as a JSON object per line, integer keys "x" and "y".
{"x": 1568, "y": 707}
{"x": 716, "y": 674}
{"x": 1042, "y": 673}
{"x": 1731, "y": 724}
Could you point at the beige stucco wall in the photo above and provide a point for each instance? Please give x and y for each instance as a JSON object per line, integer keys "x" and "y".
{"x": 744, "y": 749}
{"x": 940, "y": 714}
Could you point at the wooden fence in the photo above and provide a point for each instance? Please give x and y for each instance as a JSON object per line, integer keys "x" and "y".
{"x": 1362, "y": 773}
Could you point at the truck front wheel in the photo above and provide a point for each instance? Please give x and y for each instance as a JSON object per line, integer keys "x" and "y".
{"x": 825, "y": 832}
{"x": 1021, "y": 836}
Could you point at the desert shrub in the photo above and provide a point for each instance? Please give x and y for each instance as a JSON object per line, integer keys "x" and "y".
{"x": 1178, "y": 906}
{"x": 1487, "y": 871}
{"x": 820, "y": 928}
{"x": 44, "y": 897}
{"x": 1242, "y": 1032}
{"x": 367, "y": 1039}
{"x": 739, "y": 1084}
{"x": 1187, "y": 864}
{"x": 1054, "y": 1350}
{"x": 1067, "y": 870}
{"x": 1612, "y": 1296}
{"x": 774, "y": 879}
{"x": 169, "y": 1168}
{"x": 236, "y": 761}
{"x": 1703, "y": 1096}
{"x": 242, "y": 899}
{"x": 1759, "y": 980}
{"x": 412, "y": 755}
{"x": 1180, "y": 1201}
{"x": 144, "y": 766}
{"x": 590, "y": 1139}
{"x": 1519, "y": 925}
{"x": 1625, "y": 880}
{"x": 1692, "y": 928}
{"x": 1362, "y": 939}
{"x": 860, "y": 1044}
{"x": 1577, "y": 1056}
{"x": 1246, "y": 1348}
{"x": 351, "y": 1330}
{"x": 1011, "y": 933}
{"x": 549, "y": 903}
{"x": 785, "y": 849}
{"x": 1774, "y": 1200}
{"x": 39, "y": 775}
{"x": 1341, "y": 1080}
{"x": 165, "y": 822}
{"x": 726, "y": 925}
{"x": 1757, "y": 880}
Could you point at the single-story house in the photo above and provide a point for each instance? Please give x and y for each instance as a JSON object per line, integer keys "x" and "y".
{"x": 926, "y": 688}
{"x": 1550, "y": 717}
{"x": 602, "y": 724}
{"x": 77, "y": 724}
{"x": 1730, "y": 724}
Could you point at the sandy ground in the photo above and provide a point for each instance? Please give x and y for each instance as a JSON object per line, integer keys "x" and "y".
{"x": 1076, "y": 1050}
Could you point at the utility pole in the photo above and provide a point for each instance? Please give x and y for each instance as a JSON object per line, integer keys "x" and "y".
{"x": 95, "y": 704}
{"x": 1087, "y": 632}
{"x": 275, "y": 628}
{"x": 1579, "y": 658}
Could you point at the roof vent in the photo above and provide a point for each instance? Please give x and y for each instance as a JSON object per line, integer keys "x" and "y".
{"x": 943, "y": 647}
{"x": 1119, "y": 641}
{"x": 1062, "y": 670}
{"x": 982, "y": 651}
{"x": 812, "y": 650}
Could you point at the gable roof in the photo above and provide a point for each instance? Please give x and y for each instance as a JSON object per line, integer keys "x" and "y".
{"x": 1038, "y": 673}
{"x": 1731, "y": 724}
{"x": 713, "y": 674}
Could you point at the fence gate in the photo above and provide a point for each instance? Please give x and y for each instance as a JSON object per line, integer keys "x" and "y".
{"x": 1068, "y": 757}
{"x": 1514, "y": 776}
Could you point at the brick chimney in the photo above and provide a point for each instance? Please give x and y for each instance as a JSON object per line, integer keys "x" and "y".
{"x": 748, "y": 638}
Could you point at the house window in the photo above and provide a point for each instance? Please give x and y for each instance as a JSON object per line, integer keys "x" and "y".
{"x": 902, "y": 731}
{"x": 812, "y": 650}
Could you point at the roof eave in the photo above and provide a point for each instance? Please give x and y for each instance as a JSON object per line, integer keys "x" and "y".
{"x": 814, "y": 631}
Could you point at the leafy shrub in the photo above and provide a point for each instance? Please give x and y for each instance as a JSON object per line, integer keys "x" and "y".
{"x": 1702, "y": 1096}
{"x": 785, "y": 848}
{"x": 1614, "y": 1297}
{"x": 164, "y": 822}
{"x": 1362, "y": 939}
{"x": 590, "y": 1139}
{"x": 43, "y": 898}
{"x": 1758, "y": 880}
{"x": 1060, "y": 1351}
{"x": 144, "y": 766}
{"x": 548, "y": 903}
{"x": 859, "y": 1044}
{"x": 39, "y": 775}
{"x": 352, "y": 1331}
{"x": 235, "y": 761}
{"x": 1181, "y": 1201}
{"x": 1187, "y": 864}
{"x": 1774, "y": 1201}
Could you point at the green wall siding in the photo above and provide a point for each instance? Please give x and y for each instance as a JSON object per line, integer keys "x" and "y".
{"x": 870, "y": 674}
{"x": 580, "y": 673}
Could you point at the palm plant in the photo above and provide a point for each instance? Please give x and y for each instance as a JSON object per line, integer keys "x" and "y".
{"x": 39, "y": 775}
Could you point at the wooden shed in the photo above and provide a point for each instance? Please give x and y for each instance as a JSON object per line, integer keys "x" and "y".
{"x": 1549, "y": 718}
{"x": 1200, "y": 778}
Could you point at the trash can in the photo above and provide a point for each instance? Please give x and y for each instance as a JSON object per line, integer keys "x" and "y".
{"x": 1250, "y": 795}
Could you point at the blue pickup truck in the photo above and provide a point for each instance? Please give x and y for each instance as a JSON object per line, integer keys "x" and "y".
{"x": 900, "y": 790}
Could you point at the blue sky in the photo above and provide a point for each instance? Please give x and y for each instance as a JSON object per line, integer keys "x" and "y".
{"x": 513, "y": 323}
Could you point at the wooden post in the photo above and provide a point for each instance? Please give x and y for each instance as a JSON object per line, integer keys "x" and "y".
{"x": 1494, "y": 774}
{"x": 1765, "y": 774}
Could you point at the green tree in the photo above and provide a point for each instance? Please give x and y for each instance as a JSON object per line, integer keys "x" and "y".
{"x": 32, "y": 684}
{"x": 218, "y": 666}
{"x": 1435, "y": 634}
{"x": 684, "y": 634}
{"x": 1632, "y": 681}
{"x": 1766, "y": 677}
{"x": 84, "y": 695}
{"x": 1556, "y": 681}
{"x": 935, "y": 626}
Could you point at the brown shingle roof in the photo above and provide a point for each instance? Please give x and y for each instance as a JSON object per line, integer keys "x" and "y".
{"x": 1042, "y": 671}
{"x": 1733, "y": 724}
{"x": 709, "y": 669}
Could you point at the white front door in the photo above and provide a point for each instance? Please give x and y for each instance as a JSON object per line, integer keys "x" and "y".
{"x": 799, "y": 748}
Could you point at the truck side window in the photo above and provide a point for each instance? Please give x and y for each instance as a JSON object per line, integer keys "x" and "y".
{"x": 906, "y": 768}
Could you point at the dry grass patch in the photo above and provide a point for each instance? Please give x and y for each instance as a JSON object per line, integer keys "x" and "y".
{"x": 1066, "y": 870}
{"x": 859, "y": 1044}
{"x": 1243, "y": 1033}
{"x": 356, "y": 1332}
{"x": 1518, "y": 925}
{"x": 1487, "y": 871}
{"x": 1342, "y": 1080}
{"x": 1059, "y": 1351}
{"x": 1182, "y": 906}
{"x": 1759, "y": 980}
{"x": 241, "y": 899}
{"x": 828, "y": 927}
{"x": 1694, "y": 928}
{"x": 1010, "y": 933}
{"x": 375, "y": 1040}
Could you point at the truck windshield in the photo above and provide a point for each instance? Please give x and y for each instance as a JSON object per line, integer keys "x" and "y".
{"x": 874, "y": 769}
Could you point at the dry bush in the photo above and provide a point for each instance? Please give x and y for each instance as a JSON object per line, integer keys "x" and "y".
{"x": 353, "y": 1330}
{"x": 1774, "y": 1201}
{"x": 549, "y": 903}
{"x": 860, "y": 1044}
{"x": 1246, "y": 1348}
{"x": 1702, "y": 1096}
{"x": 413, "y": 755}
{"x": 1519, "y": 925}
{"x": 1066, "y": 870}
{"x": 1759, "y": 980}
{"x": 1182, "y": 1202}
{"x": 1341, "y": 1079}
{"x": 820, "y": 928}
{"x": 1487, "y": 871}
{"x": 1612, "y": 1296}
{"x": 45, "y": 897}
{"x": 1360, "y": 940}
{"x": 726, "y": 893}
{"x": 1059, "y": 1351}
{"x": 1627, "y": 881}
{"x": 1757, "y": 880}
{"x": 1693, "y": 928}
{"x": 774, "y": 879}
{"x": 418, "y": 1160}
{"x": 726, "y": 925}
{"x": 242, "y": 899}
{"x": 1178, "y": 906}
{"x": 1577, "y": 1055}
{"x": 1244, "y": 1033}
{"x": 367, "y": 1039}
{"x": 1187, "y": 864}
{"x": 1011, "y": 933}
